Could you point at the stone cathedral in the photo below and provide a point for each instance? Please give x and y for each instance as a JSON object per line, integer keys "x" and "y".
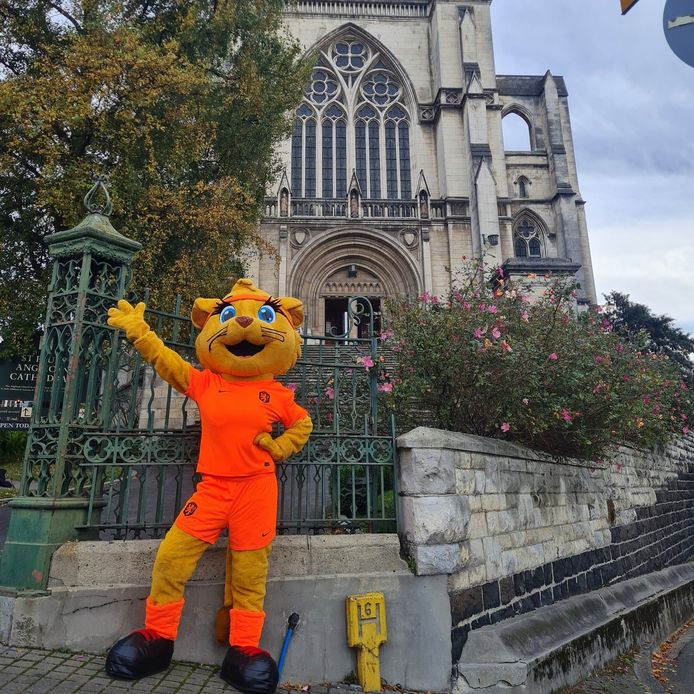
{"x": 396, "y": 167}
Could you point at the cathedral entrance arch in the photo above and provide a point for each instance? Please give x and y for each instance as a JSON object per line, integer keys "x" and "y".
{"x": 355, "y": 262}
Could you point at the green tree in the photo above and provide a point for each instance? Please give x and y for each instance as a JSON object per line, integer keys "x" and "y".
{"x": 660, "y": 335}
{"x": 181, "y": 103}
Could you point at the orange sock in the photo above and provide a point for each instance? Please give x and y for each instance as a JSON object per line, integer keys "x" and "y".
{"x": 163, "y": 619}
{"x": 246, "y": 627}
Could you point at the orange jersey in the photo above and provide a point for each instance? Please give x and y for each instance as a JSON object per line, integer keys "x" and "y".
{"x": 232, "y": 414}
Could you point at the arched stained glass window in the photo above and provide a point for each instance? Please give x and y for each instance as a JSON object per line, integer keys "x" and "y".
{"x": 334, "y": 153}
{"x": 357, "y": 119}
{"x": 304, "y": 153}
{"x": 398, "y": 154}
{"x": 526, "y": 238}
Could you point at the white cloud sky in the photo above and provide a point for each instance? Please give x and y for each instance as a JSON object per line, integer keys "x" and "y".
{"x": 632, "y": 114}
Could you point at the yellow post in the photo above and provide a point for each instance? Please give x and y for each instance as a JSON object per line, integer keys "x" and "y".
{"x": 366, "y": 629}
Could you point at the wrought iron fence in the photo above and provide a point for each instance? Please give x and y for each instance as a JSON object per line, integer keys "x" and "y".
{"x": 140, "y": 467}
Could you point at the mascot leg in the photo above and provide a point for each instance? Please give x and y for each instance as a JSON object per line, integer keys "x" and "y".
{"x": 222, "y": 624}
{"x": 247, "y": 667}
{"x": 149, "y": 650}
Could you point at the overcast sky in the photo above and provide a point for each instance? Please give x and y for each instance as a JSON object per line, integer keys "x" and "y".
{"x": 632, "y": 114}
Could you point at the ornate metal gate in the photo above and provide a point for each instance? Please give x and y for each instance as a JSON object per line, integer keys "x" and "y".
{"x": 140, "y": 466}
{"x": 113, "y": 443}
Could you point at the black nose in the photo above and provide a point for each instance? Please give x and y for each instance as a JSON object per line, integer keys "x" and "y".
{"x": 243, "y": 321}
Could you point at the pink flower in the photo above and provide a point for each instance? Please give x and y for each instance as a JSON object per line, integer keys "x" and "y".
{"x": 458, "y": 297}
{"x": 385, "y": 334}
{"x": 505, "y": 346}
{"x": 424, "y": 297}
{"x": 292, "y": 386}
{"x": 685, "y": 430}
{"x": 367, "y": 361}
{"x": 479, "y": 332}
{"x": 525, "y": 401}
{"x": 599, "y": 359}
{"x": 496, "y": 333}
{"x": 466, "y": 305}
{"x": 645, "y": 400}
{"x": 330, "y": 392}
{"x": 434, "y": 299}
{"x": 525, "y": 316}
{"x": 385, "y": 387}
{"x": 553, "y": 356}
{"x": 525, "y": 299}
{"x": 492, "y": 309}
{"x": 565, "y": 415}
{"x": 505, "y": 427}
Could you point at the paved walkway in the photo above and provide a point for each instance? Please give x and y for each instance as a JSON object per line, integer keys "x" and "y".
{"x": 33, "y": 671}
{"x": 633, "y": 672}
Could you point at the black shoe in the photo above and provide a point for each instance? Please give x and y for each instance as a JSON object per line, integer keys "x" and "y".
{"x": 250, "y": 670}
{"x": 139, "y": 654}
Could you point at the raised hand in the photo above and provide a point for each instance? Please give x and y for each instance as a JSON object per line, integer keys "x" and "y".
{"x": 129, "y": 318}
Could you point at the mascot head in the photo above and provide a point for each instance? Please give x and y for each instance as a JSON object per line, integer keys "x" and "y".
{"x": 248, "y": 333}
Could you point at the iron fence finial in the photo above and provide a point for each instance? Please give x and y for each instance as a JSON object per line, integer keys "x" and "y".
{"x": 90, "y": 199}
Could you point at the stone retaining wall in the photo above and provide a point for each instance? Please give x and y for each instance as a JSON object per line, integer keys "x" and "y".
{"x": 516, "y": 530}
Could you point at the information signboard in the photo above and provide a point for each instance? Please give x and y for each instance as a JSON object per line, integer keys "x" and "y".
{"x": 17, "y": 382}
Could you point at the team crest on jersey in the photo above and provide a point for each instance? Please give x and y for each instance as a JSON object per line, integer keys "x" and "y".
{"x": 190, "y": 508}
{"x": 264, "y": 396}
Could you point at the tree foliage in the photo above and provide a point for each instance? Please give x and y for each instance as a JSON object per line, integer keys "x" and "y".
{"x": 662, "y": 336}
{"x": 180, "y": 102}
{"x": 502, "y": 362}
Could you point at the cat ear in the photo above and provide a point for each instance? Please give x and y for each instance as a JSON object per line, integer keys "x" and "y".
{"x": 202, "y": 308}
{"x": 294, "y": 308}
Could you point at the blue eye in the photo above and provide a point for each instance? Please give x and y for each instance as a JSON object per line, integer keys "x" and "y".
{"x": 266, "y": 314}
{"x": 227, "y": 314}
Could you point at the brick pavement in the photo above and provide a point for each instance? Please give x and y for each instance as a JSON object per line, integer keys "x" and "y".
{"x": 34, "y": 671}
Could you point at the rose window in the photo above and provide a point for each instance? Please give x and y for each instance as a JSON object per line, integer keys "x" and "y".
{"x": 323, "y": 87}
{"x": 380, "y": 88}
{"x": 349, "y": 57}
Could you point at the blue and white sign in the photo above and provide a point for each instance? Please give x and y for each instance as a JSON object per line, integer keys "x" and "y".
{"x": 678, "y": 25}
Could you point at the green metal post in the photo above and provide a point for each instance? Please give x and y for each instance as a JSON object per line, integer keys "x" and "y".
{"x": 77, "y": 374}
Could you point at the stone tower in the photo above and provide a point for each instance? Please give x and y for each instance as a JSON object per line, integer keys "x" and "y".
{"x": 396, "y": 167}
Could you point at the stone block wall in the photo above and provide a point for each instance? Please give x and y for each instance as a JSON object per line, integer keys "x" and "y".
{"x": 516, "y": 530}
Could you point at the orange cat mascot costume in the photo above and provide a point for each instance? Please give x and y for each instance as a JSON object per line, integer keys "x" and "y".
{"x": 246, "y": 339}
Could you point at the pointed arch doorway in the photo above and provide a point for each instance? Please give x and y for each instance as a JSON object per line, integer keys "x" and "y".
{"x": 348, "y": 263}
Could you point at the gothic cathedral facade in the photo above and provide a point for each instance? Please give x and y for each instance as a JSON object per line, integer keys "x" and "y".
{"x": 396, "y": 167}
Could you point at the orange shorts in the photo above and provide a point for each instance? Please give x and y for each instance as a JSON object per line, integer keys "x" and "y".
{"x": 246, "y": 506}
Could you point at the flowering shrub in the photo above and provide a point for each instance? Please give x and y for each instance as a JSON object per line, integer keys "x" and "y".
{"x": 490, "y": 360}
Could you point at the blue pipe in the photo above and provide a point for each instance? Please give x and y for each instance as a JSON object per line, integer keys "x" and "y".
{"x": 291, "y": 625}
